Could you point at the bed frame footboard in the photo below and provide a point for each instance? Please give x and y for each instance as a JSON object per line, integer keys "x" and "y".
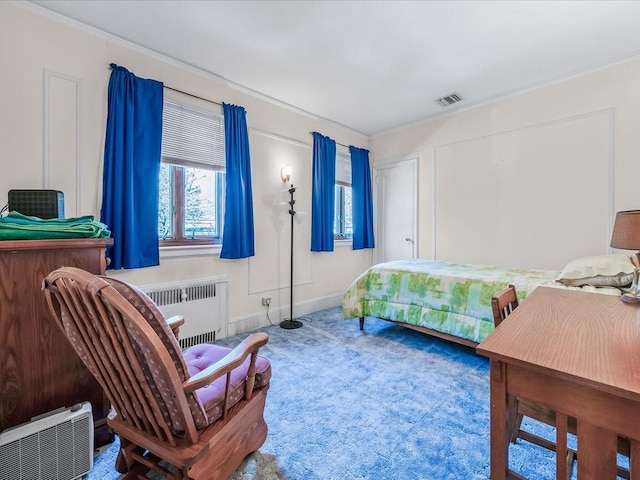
{"x": 429, "y": 331}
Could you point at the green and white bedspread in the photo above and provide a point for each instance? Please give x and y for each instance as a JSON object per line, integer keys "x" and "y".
{"x": 448, "y": 297}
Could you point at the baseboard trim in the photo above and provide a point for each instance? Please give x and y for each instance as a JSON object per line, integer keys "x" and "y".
{"x": 258, "y": 320}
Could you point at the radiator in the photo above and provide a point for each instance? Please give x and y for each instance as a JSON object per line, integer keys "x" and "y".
{"x": 57, "y": 445}
{"x": 202, "y": 303}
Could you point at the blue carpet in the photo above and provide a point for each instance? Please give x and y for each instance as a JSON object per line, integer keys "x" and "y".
{"x": 386, "y": 403}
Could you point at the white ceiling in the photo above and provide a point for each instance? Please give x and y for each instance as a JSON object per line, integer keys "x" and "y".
{"x": 375, "y": 65}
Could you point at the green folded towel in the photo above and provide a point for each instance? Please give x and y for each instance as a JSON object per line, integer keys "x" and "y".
{"x": 16, "y": 226}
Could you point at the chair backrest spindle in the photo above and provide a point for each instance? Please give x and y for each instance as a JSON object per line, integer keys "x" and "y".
{"x": 503, "y": 304}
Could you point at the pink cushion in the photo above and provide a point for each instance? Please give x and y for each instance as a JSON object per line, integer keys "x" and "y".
{"x": 211, "y": 396}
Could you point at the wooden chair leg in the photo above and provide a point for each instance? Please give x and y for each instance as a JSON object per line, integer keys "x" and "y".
{"x": 623, "y": 473}
{"x": 515, "y": 418}
{"x": 123, "y": 462}
{"x": 126, "y": 461}
{"x": 571, "y": 457}
{"x": 517, "y": 426}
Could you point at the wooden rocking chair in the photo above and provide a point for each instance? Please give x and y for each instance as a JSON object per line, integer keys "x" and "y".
{"x": 195, "y": 415}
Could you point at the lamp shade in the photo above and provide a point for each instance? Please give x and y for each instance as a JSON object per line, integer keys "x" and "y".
{"x": 286, "y": 172}
{"x": 626, "y": 230}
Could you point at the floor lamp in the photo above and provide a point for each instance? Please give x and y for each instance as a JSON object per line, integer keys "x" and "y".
{"x": 290, "y": 323}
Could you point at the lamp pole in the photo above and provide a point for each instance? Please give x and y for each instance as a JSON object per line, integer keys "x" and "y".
{"x": 291, "y": 323}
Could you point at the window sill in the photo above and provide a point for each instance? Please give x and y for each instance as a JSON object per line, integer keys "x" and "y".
{"x": 190, "y": 251}
{"x": 184, "y": 251}
{"x": 342, "y": 242}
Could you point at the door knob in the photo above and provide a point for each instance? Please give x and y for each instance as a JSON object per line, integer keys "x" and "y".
{"x": 408, "y": 240}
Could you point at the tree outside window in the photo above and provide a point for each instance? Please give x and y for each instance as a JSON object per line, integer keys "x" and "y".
{"x": 190, "y": 205}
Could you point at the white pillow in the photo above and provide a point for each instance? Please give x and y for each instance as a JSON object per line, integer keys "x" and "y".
{"x": 600, "y": 271}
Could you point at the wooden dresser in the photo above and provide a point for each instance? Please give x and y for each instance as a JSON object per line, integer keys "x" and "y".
{"x": 39, "y": 371}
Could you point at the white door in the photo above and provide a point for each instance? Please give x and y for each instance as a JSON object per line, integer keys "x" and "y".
{"x": 396, "y": 207}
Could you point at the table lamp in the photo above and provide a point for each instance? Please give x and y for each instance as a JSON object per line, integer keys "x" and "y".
{"x": 626, "y": 235}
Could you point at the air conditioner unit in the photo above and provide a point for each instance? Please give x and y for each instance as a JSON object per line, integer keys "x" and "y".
{"x": 57, "y": 445}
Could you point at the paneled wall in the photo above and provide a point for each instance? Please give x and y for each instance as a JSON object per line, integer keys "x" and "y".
{"x": 523, "y": 188}
{"x": 531, "y": 180}
{"x": 62, "y": 153}
{"x": 53, "y": 96}
{"x": 270, "y": 268}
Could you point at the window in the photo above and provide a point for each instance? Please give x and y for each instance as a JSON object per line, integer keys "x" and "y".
{"x": 191, "y": 176}
{"x": 342, "y": 226}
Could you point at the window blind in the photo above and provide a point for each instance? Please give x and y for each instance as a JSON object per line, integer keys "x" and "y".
{"x": 343, "y": 169}
{"x": 192, "y": 137}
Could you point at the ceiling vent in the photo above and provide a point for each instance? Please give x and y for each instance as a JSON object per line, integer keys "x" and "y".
{"x": 449, "y": 99}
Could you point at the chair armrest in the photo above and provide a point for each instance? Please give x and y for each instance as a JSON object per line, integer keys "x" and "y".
{"x": 175, "y": 323}
{"x": 232, "y": 360}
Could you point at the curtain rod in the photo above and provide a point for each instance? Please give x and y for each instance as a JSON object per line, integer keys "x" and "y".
{"x": 180, "y": 91}
{"x": 337, "y": 143}
{"x": 192, "y": 95}
{"x": 218, "y": 103}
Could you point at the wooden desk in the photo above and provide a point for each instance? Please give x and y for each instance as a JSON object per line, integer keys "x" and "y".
{"x": 579, "y": 354}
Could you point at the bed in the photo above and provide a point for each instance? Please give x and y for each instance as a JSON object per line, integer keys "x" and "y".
{"x": 453, "y": 300}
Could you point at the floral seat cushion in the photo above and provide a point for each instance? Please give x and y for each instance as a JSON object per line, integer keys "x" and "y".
{"x": 211, "y": 396}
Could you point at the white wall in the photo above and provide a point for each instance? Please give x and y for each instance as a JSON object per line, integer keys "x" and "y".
{"x": 53, "y": 92}
{"x": 531, "y": 180}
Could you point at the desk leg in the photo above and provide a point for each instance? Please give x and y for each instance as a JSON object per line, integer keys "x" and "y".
{"x": 634, "y": 460}
{"x": 499, "y": 434}
{"x": 562, "y": 463}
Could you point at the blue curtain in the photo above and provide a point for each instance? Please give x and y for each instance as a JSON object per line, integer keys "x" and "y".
{"x": 361, "y": 199}
{"x": 132, "y": 149}
{"x": 323, "y": 193}
{"x": 237, "y": 238}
